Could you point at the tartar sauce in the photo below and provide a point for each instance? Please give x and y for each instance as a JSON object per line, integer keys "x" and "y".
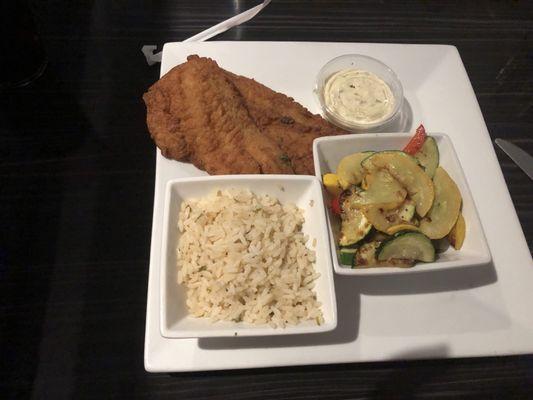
{"x": 358, "y": 96}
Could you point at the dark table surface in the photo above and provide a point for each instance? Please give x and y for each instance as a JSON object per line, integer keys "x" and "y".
{"x": 77, "y": 180}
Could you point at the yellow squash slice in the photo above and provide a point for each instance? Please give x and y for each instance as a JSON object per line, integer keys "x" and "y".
{"x": 428, "y": 156}
{"x": 446, "y": 207}
{"x": 402, "y": 227}
{"x": 384, "y": 220}
{"x": 383, "y": 191}
{"x": 332, "y": 184}
{"x": 349, "y": 169}
{"x": 456, "y": 237}
{"x": 405, "y": 170}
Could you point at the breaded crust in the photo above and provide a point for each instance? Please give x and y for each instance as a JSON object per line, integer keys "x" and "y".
{"x": 227, "y": 124}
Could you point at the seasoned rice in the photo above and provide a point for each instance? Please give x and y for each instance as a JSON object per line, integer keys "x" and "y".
{"x": 243, "y": 257}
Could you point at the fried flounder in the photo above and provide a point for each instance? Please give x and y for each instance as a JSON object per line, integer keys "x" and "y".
{"x": 228, "y": 124}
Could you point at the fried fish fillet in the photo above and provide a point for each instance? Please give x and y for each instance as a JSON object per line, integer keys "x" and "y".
{"x": 285, "y": 121}
{"x": 227, "y": 124}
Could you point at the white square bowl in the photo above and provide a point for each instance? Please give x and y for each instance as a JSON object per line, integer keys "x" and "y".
{"x": 305, "y": 192}
{"x": 327, "y": 153}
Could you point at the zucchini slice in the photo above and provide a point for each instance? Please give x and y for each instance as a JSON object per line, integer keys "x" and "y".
{"x": 428, "y": 156}
{"x": 350, "y": 171}
{"x": 445, "y": 210}
{"x": 353, "y": 198}
{"x": 377, "y": 236}
{"x": 405, "y": 169}
{"x": 346, "y": 256}
{"x": 369, "y": 165}
{"x": 407, "y": 245}
{"x": 441, "y": 245}
{"x": 365, "y": 257}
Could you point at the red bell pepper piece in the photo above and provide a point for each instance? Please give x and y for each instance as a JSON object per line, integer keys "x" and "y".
{"x": 336, "y": 205}
{"x": 416, "y": 141}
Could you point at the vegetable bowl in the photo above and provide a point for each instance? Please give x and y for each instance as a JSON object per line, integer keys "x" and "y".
{"x": 398, "y": 203}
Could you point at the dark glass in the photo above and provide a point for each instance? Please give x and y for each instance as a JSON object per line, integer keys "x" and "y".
{"x": 22, "y": 57}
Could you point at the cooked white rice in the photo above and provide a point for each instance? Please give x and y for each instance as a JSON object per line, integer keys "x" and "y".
{"x": 243, "y": 257}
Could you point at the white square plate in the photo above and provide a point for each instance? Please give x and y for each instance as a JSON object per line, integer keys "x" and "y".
{"x": 305, "y": 192}
{"x": 327, "y": 153}
{"x": 464, "y": 312}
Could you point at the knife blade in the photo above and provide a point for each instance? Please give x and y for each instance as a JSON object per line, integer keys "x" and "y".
{"x": 519, "y": 156}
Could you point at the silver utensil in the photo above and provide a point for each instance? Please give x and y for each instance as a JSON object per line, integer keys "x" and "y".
{"x": 519, "y": 156}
